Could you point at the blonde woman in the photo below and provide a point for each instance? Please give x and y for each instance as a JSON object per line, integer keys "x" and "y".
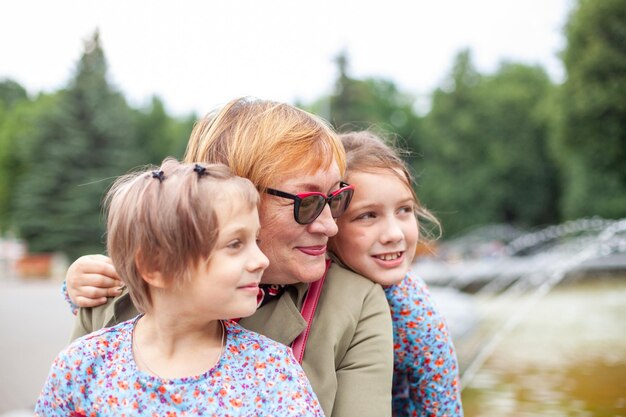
{"x": 297, "y": 162}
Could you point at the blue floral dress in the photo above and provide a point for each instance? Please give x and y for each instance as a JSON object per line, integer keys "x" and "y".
{"x": 425, "y": 380}
{"x": 97, "y": 376}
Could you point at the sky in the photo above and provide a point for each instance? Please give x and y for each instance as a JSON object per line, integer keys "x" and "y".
{"x": 198, "y": 54}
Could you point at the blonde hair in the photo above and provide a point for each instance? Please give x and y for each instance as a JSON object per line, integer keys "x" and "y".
{"x": 265, "y": 141}
{"x": 368, "y": 152}
{"x": 165, "y": 220}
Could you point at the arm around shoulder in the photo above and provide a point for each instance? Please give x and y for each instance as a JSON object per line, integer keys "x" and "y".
{"x": 115, "y": 311}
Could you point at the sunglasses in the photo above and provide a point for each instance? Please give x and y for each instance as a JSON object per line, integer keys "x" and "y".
{"x": 308, "y": 206}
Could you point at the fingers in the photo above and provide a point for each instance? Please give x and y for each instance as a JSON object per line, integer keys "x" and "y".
{"x": 92, "y": 278}
{"x": 89, "y": 302}
{"x": 114, "y": 291}
{"x": 92, "y": 292}
{"x": 94, "y": 264}
{"x": 97, "y": 280}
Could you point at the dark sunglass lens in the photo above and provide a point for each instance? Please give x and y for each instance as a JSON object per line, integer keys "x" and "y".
{"x": 339, "y": 202}
{"x": 310, "y": 208}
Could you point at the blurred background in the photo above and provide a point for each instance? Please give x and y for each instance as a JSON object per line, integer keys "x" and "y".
{"x": 514, "y": 113}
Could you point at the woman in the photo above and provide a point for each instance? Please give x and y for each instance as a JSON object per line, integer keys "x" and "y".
{"x": 296, "y": 161}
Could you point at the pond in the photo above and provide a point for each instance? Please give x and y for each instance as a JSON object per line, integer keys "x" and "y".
{"x": 565, "y": 356}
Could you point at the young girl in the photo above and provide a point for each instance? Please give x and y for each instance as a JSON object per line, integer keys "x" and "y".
{"x": 184, "y": 239}
{"x": 377, "y": 238}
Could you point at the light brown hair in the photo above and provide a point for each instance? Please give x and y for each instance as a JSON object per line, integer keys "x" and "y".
{"x": 265, "y": 141}
{"x": 165, "y": 220}
{"x": 368, "y": 152}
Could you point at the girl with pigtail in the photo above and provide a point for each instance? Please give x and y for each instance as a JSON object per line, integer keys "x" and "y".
{"x": 184, "y": 239}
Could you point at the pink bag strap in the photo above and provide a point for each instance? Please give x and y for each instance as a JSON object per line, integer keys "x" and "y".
{"x": 308, "y": 311}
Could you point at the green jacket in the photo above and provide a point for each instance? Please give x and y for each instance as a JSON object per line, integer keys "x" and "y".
{"x": 349, "y": 353}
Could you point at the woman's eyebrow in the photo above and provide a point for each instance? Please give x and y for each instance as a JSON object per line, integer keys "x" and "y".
{"x": 314, "y": 187}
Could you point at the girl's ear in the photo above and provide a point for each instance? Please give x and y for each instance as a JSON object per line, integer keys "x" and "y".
{"x": 153, "y": 277}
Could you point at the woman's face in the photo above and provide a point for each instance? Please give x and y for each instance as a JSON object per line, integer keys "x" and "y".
{"x": 297, "y": 253}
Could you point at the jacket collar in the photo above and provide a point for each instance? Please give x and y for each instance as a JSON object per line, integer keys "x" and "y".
{"x": 119, "y": 309}
{"x": 280, "y": 319}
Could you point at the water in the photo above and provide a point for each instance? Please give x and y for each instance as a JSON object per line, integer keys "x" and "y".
{"x": 541, "y": 341}
{"x": 566, "y": 357}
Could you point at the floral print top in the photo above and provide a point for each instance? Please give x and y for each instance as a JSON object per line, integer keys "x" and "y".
{"x": 425, "y": 376}
{"x": 97, "y": 376}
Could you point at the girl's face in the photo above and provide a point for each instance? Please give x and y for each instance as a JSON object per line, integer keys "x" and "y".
{"x": 297, "y": 252}
{"x": 378, "y": 233}
{"x": 226, "y": 286}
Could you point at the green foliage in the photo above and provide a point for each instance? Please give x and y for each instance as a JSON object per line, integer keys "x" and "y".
{"x": 159, "y": 135}
{"x": 372, "y": 103}
{"x": 59, "y": 152}
{"x": 11, "y": 93}
{"x": 590, "y": 139}
{"x": 485, "y": 153}
{"x": 79, "y": 145}
{"x": 17, "y": 132}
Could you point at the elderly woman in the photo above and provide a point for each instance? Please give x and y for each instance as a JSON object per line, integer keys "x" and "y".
{"x": 297, "y": 162}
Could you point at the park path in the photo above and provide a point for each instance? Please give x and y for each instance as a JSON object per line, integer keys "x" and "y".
{"x": 35, "y": 324}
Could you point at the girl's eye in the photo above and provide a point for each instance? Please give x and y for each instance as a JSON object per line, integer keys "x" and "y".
{"x": 366, "y": 216}
{"x": 235, "y": 244}
{"x": 406, "y": 209}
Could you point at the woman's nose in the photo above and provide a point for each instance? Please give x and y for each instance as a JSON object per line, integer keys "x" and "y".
{"x": 324, "y": 224}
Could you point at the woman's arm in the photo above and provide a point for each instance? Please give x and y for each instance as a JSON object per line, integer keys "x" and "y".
{"x": 424, "y": 351}
{"x": 90, "y": 280}
{"x": 91, "y": 283}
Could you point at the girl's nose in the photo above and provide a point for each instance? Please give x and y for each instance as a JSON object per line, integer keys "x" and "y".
{"x": 392, "y": 232}
{"x": 259, "y": 261}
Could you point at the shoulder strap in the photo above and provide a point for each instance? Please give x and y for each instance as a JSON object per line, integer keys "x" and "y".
{"x": 308, "y": 311}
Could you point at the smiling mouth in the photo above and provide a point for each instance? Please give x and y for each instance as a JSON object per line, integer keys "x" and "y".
{"x": 389, "y": 256}
{"x": 313, "y": 250}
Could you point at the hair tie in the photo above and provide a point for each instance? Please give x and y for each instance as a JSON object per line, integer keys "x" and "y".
{"x": 158, "y": 175}
{"x": 200, "y": 170}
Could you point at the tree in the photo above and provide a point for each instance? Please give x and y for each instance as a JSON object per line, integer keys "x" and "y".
{"x": 87, "y": 139}
{"x": 372, "y": 103}
{"x": 18, "y": 115}
{"x": 451, "y": 176}
{"x": 160, "y": 135}
{"x": 517, "y": 102}
{"x": 11, "y": 93}
{"x": 590, "y": 138}
{"x": 485, "y": 152}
